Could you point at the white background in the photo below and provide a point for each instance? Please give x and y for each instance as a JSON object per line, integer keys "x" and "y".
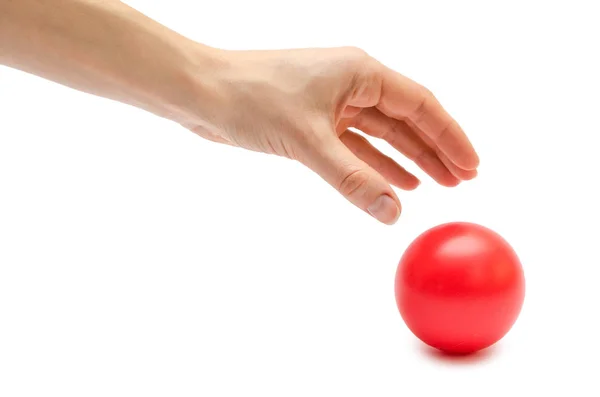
{"x": 137, "y": 259}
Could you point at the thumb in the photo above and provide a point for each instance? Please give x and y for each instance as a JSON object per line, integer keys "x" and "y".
{"x": 354, "y": 179}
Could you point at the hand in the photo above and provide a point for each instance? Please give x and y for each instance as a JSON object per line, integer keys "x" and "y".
{"x": 300, "y": 104}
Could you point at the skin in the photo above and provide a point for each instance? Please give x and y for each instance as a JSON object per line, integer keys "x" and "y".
{"x": 300, "y": 104}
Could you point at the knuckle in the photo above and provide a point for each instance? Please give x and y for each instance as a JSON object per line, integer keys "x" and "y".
{"x": 426, "y": 91}
{"x": 425, "y": 99}
{"x": 392, "y": 132}
{"x": 355, "y": 52}
{"x": 355, "y": 59}
{"x": 444, "y": 131}
{"x": 367, "y": 88}
{"x": 366, "y": 83}
{"x": 420, "y": 155}
{"x": 354, "y": 183}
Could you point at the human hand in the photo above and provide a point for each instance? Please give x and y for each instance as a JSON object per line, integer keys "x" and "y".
{"x": 296, "y": 103}
{"x": 300, "y": 104}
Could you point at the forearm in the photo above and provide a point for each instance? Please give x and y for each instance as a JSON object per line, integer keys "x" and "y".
{"x": 104, "y": 48}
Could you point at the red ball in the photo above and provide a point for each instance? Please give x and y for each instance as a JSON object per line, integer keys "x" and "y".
{"x": 459, "y": 287}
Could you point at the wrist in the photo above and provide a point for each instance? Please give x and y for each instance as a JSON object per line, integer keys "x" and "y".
{"x": 202, "y": 92}
{"x": 181, "y": 83}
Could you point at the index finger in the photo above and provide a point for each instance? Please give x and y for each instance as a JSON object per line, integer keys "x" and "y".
{"x": 402, "y": 98}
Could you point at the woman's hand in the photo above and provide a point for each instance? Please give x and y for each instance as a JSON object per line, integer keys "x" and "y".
{"x": 300, "y": 104}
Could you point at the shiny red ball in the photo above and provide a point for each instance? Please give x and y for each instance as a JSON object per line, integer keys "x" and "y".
{"x": 459, "y": 287}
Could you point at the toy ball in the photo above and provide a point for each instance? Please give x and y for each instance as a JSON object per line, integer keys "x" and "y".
{"x": 459, "y": 287}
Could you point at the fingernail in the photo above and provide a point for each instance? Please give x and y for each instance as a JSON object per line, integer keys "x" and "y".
{"x": 384, "y": 209}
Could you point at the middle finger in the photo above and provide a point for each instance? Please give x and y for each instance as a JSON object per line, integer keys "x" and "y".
{"x": 407, "y": 141}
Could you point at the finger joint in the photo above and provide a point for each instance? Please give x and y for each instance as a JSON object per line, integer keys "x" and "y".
{"x": 353, "y": 182}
